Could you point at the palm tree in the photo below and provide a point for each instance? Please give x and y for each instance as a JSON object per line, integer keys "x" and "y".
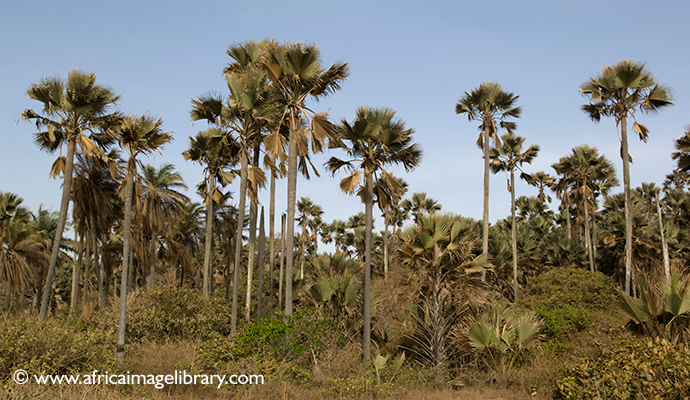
{"x": 376, "y": 140}
{"x": 507, "y": 158}
{"x": 308, "y": 211}
{"x": 183, "y": 238}
{"x": 585, "y": 174}
{"x": 297, "y": 73}
{"x": 419, "y": 205}
{"x": 438, "y": 249}
{"x": 215, "y": 149}
{"x": 137, "y": 135}
{"x": 71, "y": 109}
{"x": 160, "y": 197}
{"x": 620, "y": 91}
{"x": 542, "y": 181}
{"x": 682, "y": 153}
{"x": 247, "y": 112}
{"x": 488, "y": 103}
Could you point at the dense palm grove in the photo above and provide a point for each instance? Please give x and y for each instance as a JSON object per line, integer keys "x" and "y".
{"x": 135, "y": 229}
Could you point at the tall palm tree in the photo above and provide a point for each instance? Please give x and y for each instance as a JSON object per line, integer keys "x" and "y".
{"x": 585, "y": 174}
{"x": 620, "y": 91}
{"x": 297, "y": 73}
{"x": 489, "y": 104}
{"x": 215, "y": 149}
{"x": 160, "y": 198}
{"x": 72, "y": 109}
{"x": 137, "y": 135}
{"x": 376, "y": 139}
{"x": 508, "y": 158}
{"x": 247, "y": 111}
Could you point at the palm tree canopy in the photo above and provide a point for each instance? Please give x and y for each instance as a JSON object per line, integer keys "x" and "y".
{"x": 376, "y": 139}
{"x": 623, "y": 88}
{"x": 489, "y": 103}
{"x": 682, "y": 153}
{"x": 510, "y": 156}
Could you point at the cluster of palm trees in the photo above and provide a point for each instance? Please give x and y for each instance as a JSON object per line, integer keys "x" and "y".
{"x": 132, "y": 222}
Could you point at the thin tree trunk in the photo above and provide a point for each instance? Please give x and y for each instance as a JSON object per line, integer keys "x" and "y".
{"x": 208, "y": 248}
{"x": 64, "y": 204}
{"x": 272, "y": 240}
{"x": 151, "y": 279}
{"x": 664, "y": 246}
{"x": 369, "y": 205}
{"x": 129, "y": 189}
{"x": 227, "y": 273}
{"x": 588, "y": 236}
{"x": 86, "y": 272}
{"x": 628, "y": 202}
{"x": 291, "y": 200}
{"x": 260, "y": 275}
{"x": 282, "y": 260}
{"x": 485, "y": 213}
{"x": 238, "y": 239}
{"x": 513, "y": 232}
{"x": 97, "y": 265}
{"x": 385, "y": 244}
{"x": 594, "y": 234}
{"x": 8, "y": 296}
{"x": 76, "y": 271}
{"x": 253, "y": 211}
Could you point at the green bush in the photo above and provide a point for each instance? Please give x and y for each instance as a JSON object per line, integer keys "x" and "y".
{"x": 568, "y": 299}
{"x": 54, "y": 346}
{"x": 632, "y": 370}
{"x": 275, "y": 337}
{"x": 172, "y": 314}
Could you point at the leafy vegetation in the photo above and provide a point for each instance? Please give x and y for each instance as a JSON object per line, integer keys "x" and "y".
{"x": 633, "y": 369}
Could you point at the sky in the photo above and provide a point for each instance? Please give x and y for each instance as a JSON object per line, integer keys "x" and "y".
{"x": 417, "y": 58}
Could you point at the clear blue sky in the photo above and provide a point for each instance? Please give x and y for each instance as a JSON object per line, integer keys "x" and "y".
{"x": 417, "y": 58}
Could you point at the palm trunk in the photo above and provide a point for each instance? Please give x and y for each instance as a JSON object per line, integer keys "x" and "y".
{"x": 86, "y": 272}
{"x": 282, "y": 260}
{"x": 251, "y": 260}
{"x": 594, "y": 234}
{"x": 151, "y": 279}
{"x": 272, "y": 240}
{"x": 97, "y": 265}
{"x": 485, "y": 213}
{"x": 385, "y": 244}
{"x": 368, "y": 205}
{"x": 209, "y": 235}
{"x": 303, "y": 240}
{"x": 291, "y": 200}
{"x": 64, "y": 205}
{"x": 588, "y": 236}
{"x": 238, "y": 239}
{"x": 227, "y": 272}
{"x": 129, "y": 189}
{"x": 513, "y": 234}
{"x": 664, "y": 246}
{"x": 76, "y": 271}
{"x": 628, "y": 202}
{"x": 260, "y": 275}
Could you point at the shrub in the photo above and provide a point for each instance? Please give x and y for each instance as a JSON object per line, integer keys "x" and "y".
{"x": 663, "y": 308}
{"x": 568, "y": 299}
{"x": 171, "y": 314}
{"x": 293, "y": 339}
{"x": 54, "y": 346}
{"x": 653, "y": 368}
